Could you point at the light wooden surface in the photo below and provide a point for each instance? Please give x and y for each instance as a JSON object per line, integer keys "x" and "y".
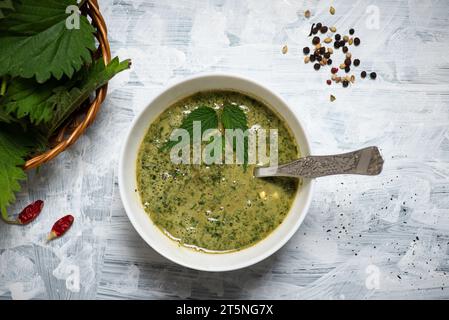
{"x": 364, "y": 238}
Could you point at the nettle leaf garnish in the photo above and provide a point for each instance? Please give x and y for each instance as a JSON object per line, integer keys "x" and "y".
{"x": 35, "y": 41}
{"x": 206, "y": 115}
{"x": 233, "y": 117}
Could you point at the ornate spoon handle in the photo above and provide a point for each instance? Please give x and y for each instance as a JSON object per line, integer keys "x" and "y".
{"x": 367, "y": 161}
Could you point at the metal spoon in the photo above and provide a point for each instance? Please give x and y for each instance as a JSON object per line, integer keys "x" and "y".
{"x": 367, "y": 161}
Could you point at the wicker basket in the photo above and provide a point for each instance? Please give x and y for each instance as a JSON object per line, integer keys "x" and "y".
{"x": 78, "y": 123}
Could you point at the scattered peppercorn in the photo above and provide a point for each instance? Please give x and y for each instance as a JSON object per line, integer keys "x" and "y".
{"x": 356, "y": 41}
{"x": 284, "y": 49}
{"x": 307, "y": 14}
{"x": 345, "y": 83}
{"x": 311, "y": 29}
{"x": 315, "y": 30}
{"x": 345, "y": 49}
{"x": 351, "y": 31}
{"x": 373, "y": 75}
{"x": 329, "y": 62}
{"x": 337, "y": 37}
{"x": 347, "y": 61}
{"x": 334, "y": 70}
{"x": 347, "y": 69}
{"x": 318, "y": 57}
{"x": 324, "y": 29}
{"x": 306, "y": 50}
{"x": 319, "y": 25}
{"x": 316, "y": 40}
{"x": 329, "y": 82}
{"x": 332, "y": 98}
{"x": 332, "y": 10}
{"x": 327, "y": 55}
{"x": 336, "y": 44}
{"x": 356, "y": 62}
{"x": 312, "y": 58}
{"x": 363, "y": 74}
{"x": 316, "y": 66}
{"x": 322, "y": 50}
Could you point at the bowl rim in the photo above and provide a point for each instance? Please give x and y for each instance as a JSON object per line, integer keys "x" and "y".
{"x": 124, "y": 194}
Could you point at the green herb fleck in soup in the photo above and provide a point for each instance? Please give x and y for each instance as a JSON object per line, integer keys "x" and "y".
{"x": 218, "y": 207}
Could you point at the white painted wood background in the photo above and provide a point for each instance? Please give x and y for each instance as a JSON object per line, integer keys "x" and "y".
{"x": 393, "y": 228}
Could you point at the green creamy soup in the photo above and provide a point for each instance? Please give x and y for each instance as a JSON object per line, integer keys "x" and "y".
{"x": 220, "y": 207}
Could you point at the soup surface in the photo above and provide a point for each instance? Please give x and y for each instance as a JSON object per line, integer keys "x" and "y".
{"x": 215, "y": 208}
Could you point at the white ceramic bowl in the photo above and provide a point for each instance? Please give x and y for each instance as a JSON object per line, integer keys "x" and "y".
{"x": 142, "y": 222}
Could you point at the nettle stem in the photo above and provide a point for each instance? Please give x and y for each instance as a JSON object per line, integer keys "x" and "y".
{"x": 3, "y": 86}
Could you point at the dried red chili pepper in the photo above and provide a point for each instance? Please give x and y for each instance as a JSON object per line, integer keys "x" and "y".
{"x": 30, "y": 212}
{"x": 60, "y": 227}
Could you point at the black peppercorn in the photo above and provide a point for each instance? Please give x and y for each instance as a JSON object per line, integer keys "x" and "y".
{"x": 345, "y": 83}
{"x": 342, "y": 43}
{"x": 336, "y": 44}
{"x": 327, "y": 55}
{"x": 347, "y": 61}
{"x": 312, "y": 58}
{"x": 356, "y": 41}
{"x": 329, "y": 62}
{"x": 345, "y": 49}
{"x": 316, "y": 66}
{"x": 319, "y": 25}
{"x": 363, "y": 74}
{"x": 318, "y": 57}
{"x": 347, "y": 69}
{"x": 315, "y": 30}
{"x": 351, "y": 31}
{"x": 373, "y": 75}
{"x": 323, "y": 29}
{"x": 322, "y": 50}
{"x": 356, "y": 62}
{"x": 306, "y": 50}
{"x": 337, "y": 37}
{"x": 316, "y": 40}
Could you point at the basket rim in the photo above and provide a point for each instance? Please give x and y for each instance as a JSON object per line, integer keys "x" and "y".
{"x": 93, "y": 11}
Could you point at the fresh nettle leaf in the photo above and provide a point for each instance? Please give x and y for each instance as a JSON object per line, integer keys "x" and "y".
{"x": 206, "y": 115}
{"x": 5, "y": 117}
{"x": 5, "y": 6}
{"x": 67, "y": 101}
{"x": 35, "y": 41}
{"x": 50, "y": 104}
{"x": 14, "y": 146}
{"x": 26, "y": 98}
{"x": 233, "y": 117}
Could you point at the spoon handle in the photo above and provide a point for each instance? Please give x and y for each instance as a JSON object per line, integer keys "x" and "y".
{"x": 367, "y": 161}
